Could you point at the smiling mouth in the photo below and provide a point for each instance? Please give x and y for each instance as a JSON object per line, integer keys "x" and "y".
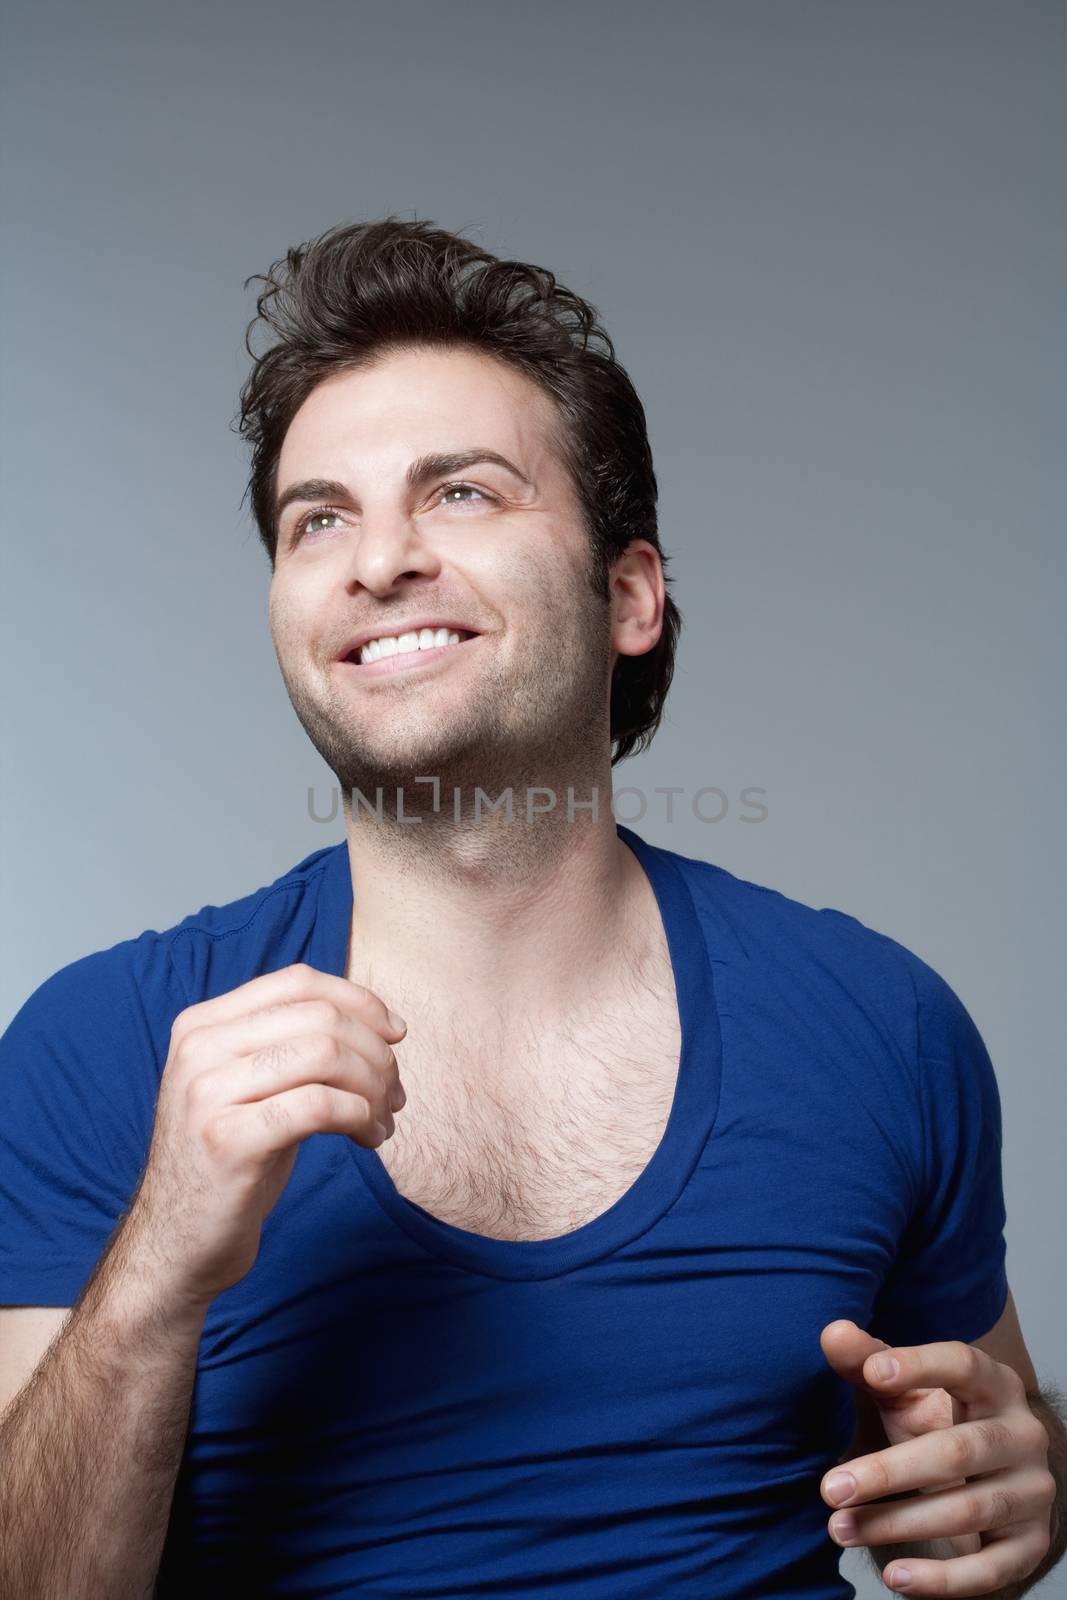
{"x": 405, "y": 659}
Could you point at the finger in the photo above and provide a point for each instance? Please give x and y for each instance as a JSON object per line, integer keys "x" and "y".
{"x": 965, "y": 1371}
{"x": 283, "y": 1120}
{"x": 940, "y": 1457}
{"x": 849, "y": 1347}
{"x": 356, "y": 1000}
{"x": 293, "y": 983}
{"x": 248, "y": 1075}
{"x": 257, "y": 1033}
{"x": 319, "y": 1019}
{"x": 999, "y": 1564}
{"x": 1004, "y": 1499}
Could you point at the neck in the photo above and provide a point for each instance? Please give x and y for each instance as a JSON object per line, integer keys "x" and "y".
{"x": 487, "y": 916}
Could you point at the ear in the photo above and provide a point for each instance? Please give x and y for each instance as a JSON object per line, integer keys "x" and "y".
{"x": 637, "y": 596}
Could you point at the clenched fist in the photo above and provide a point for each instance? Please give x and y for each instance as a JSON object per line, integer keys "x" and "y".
{"x": 249, "y": 1075}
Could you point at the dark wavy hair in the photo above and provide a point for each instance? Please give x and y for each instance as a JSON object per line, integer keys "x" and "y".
{"x": 363, "y": 288}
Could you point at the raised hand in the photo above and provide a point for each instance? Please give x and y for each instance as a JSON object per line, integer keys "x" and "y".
{"x": 250, "y": 1074}
{"x": 963, "y": 1437}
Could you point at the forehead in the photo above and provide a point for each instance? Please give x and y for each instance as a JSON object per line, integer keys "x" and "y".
{"x": 418, "y": 400}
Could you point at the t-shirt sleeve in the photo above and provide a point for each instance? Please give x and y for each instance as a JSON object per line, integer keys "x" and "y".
{"x": 949, "y": 1277}
{"x": 80, "y": 1066}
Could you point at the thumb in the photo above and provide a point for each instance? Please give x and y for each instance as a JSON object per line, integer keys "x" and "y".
{"x": 847, "y": 1347}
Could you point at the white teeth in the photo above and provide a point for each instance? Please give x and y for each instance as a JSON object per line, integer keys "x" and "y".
{"x": 391, "y": 645}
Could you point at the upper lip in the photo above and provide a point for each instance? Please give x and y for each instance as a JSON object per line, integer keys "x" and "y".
{"x": 408, "y": 625}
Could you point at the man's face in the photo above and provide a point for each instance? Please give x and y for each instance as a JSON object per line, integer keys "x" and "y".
{"x": 527, "y": 697}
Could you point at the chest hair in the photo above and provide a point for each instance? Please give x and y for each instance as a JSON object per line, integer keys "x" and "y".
{"x": 539, "y": 1129}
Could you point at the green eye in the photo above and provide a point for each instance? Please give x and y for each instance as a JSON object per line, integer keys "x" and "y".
{"x": 317, "y": 521}
{"x": 451, "y": 488}
{"x": 320, "y": 517}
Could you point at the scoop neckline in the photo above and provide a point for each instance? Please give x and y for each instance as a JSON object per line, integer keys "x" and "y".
{"x": 689, "y": 1124}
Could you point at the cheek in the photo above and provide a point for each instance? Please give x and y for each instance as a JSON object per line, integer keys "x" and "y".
{"x": 287, "y": 622}
{"x": 545, "y": 583}
{"x": 276, "y": 613}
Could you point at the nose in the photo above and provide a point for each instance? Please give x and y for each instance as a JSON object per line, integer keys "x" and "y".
{"x": 388, "y": 548}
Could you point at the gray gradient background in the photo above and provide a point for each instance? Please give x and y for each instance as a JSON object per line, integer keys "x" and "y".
{"x": 828, "y": 240}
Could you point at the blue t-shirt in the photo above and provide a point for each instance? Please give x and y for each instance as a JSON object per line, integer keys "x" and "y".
{"x": 387, "y": 1405}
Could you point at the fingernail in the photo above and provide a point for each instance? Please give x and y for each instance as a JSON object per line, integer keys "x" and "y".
{"x": 397, "y": 1024}
{"x": 901, "y": 1578}
{"x": 886, "y": 1367}
{"x": 840, "y": 1486}
{"x": 843, "y": 1527}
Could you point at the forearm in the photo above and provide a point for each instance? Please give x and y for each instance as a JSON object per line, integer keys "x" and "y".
{"x": 90, "y": 1447}
{"x": 1048, "y": 1404}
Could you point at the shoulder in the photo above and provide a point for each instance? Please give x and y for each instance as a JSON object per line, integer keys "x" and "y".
{"x": 218, "y": 947}
{"x": 758, "y": 916}
{"x": 140, "y": 983}
{"x": 829, "y": 955}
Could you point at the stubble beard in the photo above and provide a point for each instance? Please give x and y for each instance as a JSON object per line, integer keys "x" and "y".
{"x": 524, "y": 725}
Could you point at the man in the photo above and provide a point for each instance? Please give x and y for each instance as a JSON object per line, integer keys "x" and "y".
{"x": 639, "y": 1163}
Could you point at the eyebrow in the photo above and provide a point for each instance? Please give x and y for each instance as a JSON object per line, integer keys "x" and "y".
{"x": 419, "y": 473}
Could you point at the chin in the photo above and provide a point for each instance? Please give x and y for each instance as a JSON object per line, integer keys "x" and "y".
{"x": 403, "y": 761}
